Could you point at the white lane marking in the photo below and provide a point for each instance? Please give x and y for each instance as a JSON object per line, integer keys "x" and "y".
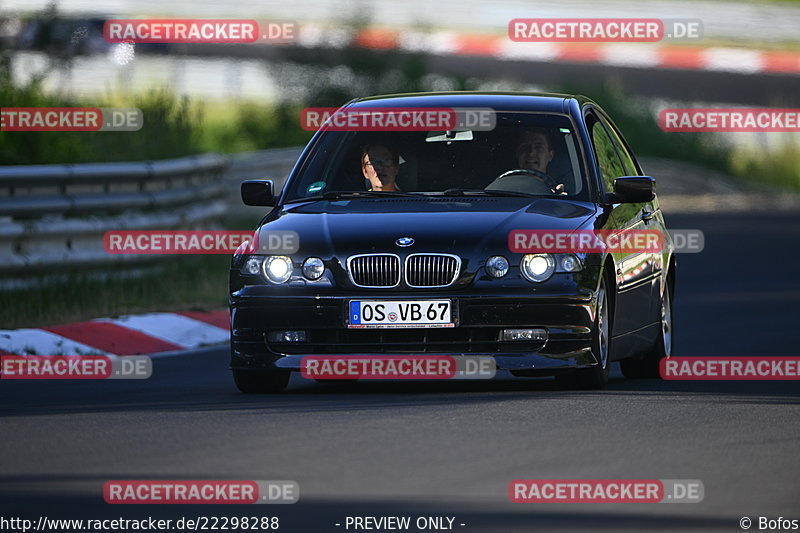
{"x": 733, "y": 60}
{"x": 630, "y": 54}
{"x": 438, "y": 42}
{"x": 177, "y": 329}
{"x": 535, "y": 51}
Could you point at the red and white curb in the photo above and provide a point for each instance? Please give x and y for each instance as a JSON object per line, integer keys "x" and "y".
{"x": 655, "y": 55}
{"x": 147, "y": 334}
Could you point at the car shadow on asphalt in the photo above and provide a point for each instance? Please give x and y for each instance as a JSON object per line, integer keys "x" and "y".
{"x": 217, "y": 392}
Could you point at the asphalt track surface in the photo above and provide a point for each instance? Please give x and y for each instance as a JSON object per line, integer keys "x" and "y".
{"x": 449, "y": 449}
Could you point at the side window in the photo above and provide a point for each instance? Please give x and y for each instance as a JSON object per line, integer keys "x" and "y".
{"x": 607, "y": 159}
{"x": 627, "y": 159}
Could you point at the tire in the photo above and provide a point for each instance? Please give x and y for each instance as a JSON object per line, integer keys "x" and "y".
{"x": 597, "y": 376}
{"x": 261, "y": 381}
{"x": 647, "y": 365}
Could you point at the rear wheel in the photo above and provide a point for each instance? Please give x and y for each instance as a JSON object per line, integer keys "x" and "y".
{"x": 647, "y": 365}
{"x": 597, "y": 376}
{"x": 260, "y": 381}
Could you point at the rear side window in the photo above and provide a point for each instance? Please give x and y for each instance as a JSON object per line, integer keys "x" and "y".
{"x": 627, "y": 159}
{"x": 608, "y": 160}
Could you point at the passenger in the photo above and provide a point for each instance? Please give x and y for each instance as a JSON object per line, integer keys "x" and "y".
{"x": 380, "y": 165}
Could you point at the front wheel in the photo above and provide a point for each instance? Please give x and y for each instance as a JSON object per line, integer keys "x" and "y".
{"x": 260, "y": 381}
{"x": 647, "y": 365}
{"x": 597, "y": 376}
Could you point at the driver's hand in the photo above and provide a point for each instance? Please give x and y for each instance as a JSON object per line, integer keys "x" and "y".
{"x": 560, "y": 189}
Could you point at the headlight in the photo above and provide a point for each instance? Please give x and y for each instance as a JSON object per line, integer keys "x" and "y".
{"x": 313, "y": 268}
{"x": 278, "y": 268}
{"x": 570, "y": 263}
{"x": 538, "y": 267}
{"x": 497, "y": 266}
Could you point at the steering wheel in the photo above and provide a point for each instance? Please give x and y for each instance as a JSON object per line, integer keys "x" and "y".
{"x": 542, "y": 176}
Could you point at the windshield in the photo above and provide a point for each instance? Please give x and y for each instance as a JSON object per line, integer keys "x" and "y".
{"x": 525, "y": 153}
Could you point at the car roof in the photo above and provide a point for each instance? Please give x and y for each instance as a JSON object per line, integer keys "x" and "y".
{"x": 500, "y": 101}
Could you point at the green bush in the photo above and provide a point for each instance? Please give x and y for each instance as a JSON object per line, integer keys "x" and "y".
{"x": 170, "y": 130}
{"x": 248, "y": 126}
{"x": 753, "y": 165}
{"x": 777, "y": 167}
{"x": 641, "y": 130}
{"x": 173, "y": 127}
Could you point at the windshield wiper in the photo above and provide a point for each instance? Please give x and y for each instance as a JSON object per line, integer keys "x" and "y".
{"x": 338, "y": 195}
{"x": 484, "y": 192}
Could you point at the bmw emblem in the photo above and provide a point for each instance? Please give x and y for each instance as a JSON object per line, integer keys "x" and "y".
{"x": 404, "y": 241}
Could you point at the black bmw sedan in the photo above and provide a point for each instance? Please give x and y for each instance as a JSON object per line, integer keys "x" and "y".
{"x": 416, "y": 238}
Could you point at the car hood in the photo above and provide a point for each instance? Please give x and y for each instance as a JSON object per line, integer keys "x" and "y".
{"x": 456, "y": 225}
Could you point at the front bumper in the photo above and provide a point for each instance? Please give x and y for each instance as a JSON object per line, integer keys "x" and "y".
{"x": 479, "y": 320}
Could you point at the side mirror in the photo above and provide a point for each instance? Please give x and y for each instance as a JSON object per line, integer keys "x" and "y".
{"x": 258, "y": 192}
{"x": 633, "y": 190}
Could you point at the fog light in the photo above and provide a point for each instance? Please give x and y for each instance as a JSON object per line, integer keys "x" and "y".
{"x": 570, "y": 263}
{"x": 535, "y": 334}
{"x": 286, "y": 336}
{"x": 313, "y": 268}
{"x": 497, "y": 266}
{"x": 253, "y": 266}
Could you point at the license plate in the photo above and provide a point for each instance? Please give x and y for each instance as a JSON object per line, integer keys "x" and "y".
{"x": 400, "y": 314}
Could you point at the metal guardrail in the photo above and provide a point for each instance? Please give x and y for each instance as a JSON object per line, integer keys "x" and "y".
{"x": 53, "y": 217}
{"x": 275, "y": 164}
